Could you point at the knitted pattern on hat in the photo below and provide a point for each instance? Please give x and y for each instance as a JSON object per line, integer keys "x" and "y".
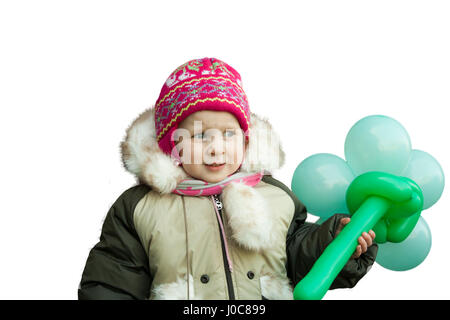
{"x": 200, "y": 84}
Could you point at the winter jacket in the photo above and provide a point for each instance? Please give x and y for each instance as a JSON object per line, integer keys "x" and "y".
{"x": 158, "y": 245}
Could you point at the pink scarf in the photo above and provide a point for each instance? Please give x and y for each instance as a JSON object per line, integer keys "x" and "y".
{"x": 196, "y": 187}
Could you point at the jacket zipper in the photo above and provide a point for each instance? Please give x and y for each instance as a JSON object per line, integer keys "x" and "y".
{"x": 228, "y": 268}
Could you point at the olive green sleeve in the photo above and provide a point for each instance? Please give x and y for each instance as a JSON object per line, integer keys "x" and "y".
{"x": 117, "y": 266}
{"x": 306, "y": 241}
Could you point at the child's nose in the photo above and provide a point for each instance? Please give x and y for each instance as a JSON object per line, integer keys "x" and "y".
{"x": 217, "y": 150}
{"x": 217, "y": 146}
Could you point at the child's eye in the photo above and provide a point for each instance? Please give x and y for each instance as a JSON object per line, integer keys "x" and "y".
{"x": 229, "y": 133}
{"x": 198, "y": 136}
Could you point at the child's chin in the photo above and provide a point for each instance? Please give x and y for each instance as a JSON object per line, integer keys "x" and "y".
{"x": 215, "y": 176}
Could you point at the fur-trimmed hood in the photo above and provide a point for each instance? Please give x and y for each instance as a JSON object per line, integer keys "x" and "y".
{"x": 252, "y": 224}
{"x": 142, "y": 156}
{"x": 247, "y": 209}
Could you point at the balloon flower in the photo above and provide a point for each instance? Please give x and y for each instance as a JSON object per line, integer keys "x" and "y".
{"x": 384, "y": 185}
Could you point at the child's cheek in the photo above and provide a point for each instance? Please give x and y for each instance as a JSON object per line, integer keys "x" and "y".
{"x": 197, "y": 153}
{"x": 235, "y": 152}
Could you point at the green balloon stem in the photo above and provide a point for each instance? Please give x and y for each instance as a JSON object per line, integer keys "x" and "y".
{"x": 317, "y": 282}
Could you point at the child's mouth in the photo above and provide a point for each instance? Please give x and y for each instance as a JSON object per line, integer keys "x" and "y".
{"x": 215, "y": 166}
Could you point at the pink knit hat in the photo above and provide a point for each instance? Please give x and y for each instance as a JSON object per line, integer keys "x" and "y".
{"x": 200, "y": 84}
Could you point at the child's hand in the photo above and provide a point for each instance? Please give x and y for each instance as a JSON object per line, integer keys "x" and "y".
{"x": 365, "y": 240}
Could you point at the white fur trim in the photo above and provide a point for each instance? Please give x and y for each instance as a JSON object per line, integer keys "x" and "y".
{"x": 264, "y": 151}
{"x": 248, "y": 216}
{"x": 175, "y": 291}
{"x": 142, "y": 156}
{"x": 276, "y": 287}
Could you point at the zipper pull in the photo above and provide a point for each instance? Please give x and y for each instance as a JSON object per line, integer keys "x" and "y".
{"x": 218, "y": 202}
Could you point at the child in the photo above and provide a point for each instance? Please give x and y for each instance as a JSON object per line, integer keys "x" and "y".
{"x": 207, "y": 220}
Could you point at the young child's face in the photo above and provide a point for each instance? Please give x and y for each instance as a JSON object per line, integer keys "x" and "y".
{"x": 210, "y": 137}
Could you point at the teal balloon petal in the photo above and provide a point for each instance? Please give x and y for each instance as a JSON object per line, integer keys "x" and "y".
{"x": 428, "y": 174}
{"x": 377, "y": 143}
{"x": 409, "y": 253}
{"x": 320, "y": 182}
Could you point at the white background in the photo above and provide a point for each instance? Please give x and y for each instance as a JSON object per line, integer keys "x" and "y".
{"x": 74, "y": 74}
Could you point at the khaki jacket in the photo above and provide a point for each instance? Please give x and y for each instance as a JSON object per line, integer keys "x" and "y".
{"x": 159, "y": 245}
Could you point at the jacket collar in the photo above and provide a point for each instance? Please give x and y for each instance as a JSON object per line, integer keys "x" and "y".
{"x": 247, "y": 213}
